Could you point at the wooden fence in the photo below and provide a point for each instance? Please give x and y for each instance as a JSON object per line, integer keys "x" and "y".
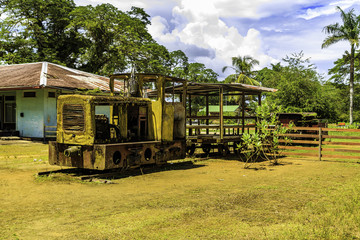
{"x": 323, "y": 143}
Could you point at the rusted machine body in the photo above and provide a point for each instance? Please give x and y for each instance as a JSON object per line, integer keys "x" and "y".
{"x": 136, "y": 130}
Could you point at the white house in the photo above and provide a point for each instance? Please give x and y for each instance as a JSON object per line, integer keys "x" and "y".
{"x": 28, "y": 94}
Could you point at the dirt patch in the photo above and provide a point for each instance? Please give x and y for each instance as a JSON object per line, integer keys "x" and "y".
{"x": 18, "y": 142}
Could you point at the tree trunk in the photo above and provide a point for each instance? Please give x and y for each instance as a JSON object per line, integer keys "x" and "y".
{"x": 352, "y": 57}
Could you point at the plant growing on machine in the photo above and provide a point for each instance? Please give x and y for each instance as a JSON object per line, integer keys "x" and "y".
{"x": 264, "y": 143}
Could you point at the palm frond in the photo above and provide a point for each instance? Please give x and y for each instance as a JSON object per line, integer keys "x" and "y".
{"x": 349, "y": 30}
{"x": 330, "y": 40}
{"x": 247, "y": 80}
{"x": 332, "y": 28}
{"x": 224, "y": 68}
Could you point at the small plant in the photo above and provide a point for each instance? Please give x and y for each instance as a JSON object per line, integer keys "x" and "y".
{"x": 353, "y": 126}
{"x": 264, "y": 143}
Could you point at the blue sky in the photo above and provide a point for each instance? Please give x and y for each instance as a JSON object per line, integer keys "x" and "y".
{"x": 213, "y": 31}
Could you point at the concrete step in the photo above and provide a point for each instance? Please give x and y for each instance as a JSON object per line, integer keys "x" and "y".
{"x": 8, "y": 133}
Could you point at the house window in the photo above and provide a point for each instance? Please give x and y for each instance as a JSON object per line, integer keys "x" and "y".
{"x": 29, "y": 94}
{"x": 9, "y": 98}
{"x": 51, "y": 94}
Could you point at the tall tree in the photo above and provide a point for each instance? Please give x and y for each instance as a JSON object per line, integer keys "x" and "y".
{"x": 152, "y": 58}
{"x": 179, "y": 63}
{"x": 347, "y": 31}
{"x": 100, "y": 39}
{"x": 36, "y": 30}
{"x": 243, "y": 67}
{"x": 114, "y": 40}
{"x": 300, "y": 87}
{"x": 197, "y": 72}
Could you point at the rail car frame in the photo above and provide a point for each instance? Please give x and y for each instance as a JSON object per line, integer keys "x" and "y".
{"x": 228, "y": 135}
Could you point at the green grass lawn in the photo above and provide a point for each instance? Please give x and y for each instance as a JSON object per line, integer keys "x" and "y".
{"x": 208, "y": 199}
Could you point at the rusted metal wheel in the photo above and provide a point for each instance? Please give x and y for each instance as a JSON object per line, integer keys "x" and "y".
{"x": 223, "y": 150}
{"x": 190, "y": 150}
{"x": 206, "y": 148}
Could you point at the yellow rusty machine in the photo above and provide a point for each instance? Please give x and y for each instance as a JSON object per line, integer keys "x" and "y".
{"x": 134, "y": 130}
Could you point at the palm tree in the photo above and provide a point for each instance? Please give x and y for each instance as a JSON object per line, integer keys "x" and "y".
{"x": 243, "y": 70}
{"x": 276, "y": 67}
{"x": 348, "y": 31}
{"x": 243, "y": 74}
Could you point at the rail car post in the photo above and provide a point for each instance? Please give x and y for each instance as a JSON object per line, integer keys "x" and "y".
{"x": 221, "y": 115}
{"x": 220, "y": 138}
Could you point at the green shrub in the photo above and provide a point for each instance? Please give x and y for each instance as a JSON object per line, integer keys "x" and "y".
{"x": 264, "y": 143}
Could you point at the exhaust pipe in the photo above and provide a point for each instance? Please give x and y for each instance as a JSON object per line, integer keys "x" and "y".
{"x": 72, "y": 151}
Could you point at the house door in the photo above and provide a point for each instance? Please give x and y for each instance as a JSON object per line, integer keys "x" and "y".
{"x": 1, "y": 112}
{"x": 7, "y": 113}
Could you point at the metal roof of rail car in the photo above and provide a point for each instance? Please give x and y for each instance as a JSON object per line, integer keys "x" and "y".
{"x": 194, "y": 88}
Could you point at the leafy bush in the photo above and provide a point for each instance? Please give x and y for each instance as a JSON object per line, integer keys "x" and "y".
{"x": 264, "y": 143}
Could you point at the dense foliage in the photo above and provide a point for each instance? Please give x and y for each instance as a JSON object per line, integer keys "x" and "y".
{"x": 302, "y": 89}
{"x": 103, "y": 40}
{"x": 37, "y": 30}
{"x": 100, "y": 39}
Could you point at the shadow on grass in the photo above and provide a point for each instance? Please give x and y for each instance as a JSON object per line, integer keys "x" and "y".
{"x": 87, "y": 174}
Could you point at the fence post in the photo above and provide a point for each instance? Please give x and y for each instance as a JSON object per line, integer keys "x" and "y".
{"x": 320, "y": 143}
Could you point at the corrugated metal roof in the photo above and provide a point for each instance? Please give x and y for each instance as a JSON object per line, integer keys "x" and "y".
{"x": 44, "y": 74}
{"x": 212, "y": 89}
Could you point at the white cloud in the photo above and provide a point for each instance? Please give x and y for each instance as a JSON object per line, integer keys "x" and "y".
{"x": 214, "y": 31}
{"x": 254, "y": 9}
{"x": 159, "y": 29}
{"x": 198, "y": 23}
{"x": 270, "y": 29}
{"x": 328, "y": 10}
{"x": 125, "y": 5}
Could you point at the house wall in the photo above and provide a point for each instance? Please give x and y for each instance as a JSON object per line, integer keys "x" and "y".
{"x": 50, "y": 107}
{"x": 33, "y": 113}
{"x": 30, "y": 113}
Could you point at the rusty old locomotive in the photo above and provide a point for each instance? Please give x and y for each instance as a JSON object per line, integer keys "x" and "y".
{"x": 135, "y": 130}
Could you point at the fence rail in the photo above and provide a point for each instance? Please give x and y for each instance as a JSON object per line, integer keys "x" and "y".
{"x": 324, "y": 143}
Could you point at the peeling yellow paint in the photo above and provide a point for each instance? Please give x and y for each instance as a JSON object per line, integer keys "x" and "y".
{"x": 137, "y": 131}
